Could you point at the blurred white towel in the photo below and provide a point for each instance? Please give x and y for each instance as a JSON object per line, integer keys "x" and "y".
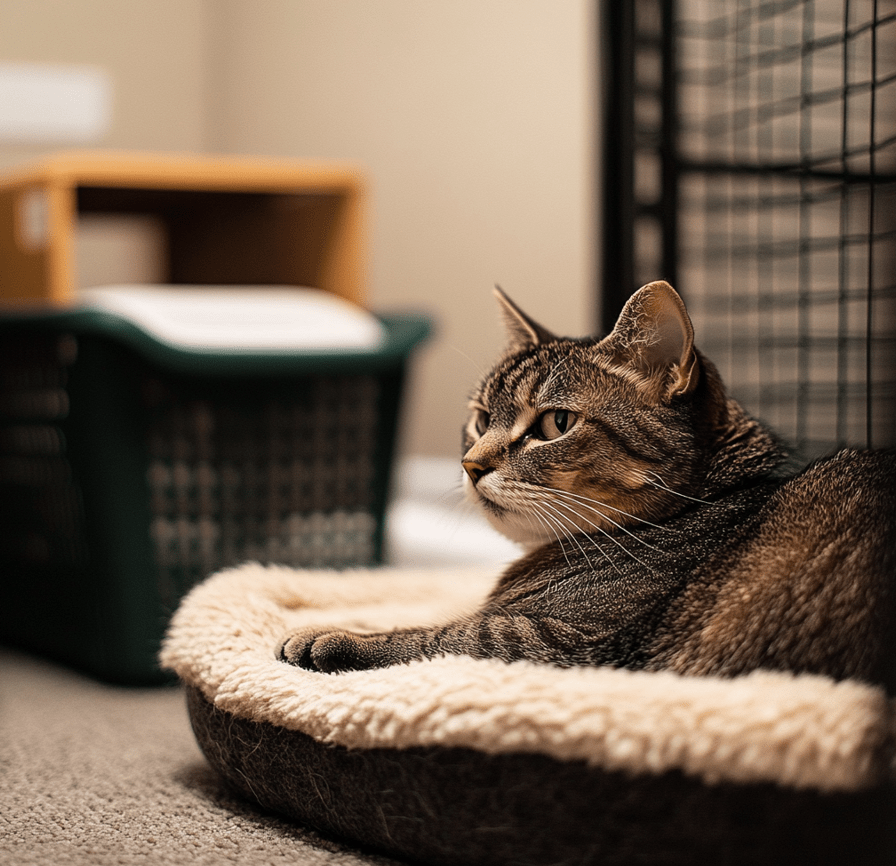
{"x": 261, "y": 318}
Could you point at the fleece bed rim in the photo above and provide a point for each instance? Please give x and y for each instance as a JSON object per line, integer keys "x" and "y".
{"x": 802, "y": 732}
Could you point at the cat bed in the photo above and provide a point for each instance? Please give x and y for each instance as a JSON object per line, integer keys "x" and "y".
{"x": 455, "y": 760}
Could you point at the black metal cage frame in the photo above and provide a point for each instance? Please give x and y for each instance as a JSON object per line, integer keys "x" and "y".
{"x": 750, "y": 159}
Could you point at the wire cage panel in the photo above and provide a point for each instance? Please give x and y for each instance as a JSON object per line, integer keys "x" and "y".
{"x": 778, "y": 292}
{"x": 41, "y": 503}
{"x": 763, "y": 183}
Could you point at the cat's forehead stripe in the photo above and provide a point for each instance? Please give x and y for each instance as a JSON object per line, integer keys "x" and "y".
{"x": 527, "y": 375}
{"x": 507, "y": 379}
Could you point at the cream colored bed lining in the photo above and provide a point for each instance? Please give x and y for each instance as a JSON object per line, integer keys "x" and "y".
{"x": 803, "y": 731}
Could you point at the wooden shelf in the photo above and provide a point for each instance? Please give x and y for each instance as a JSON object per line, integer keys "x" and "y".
{"x": 227, "y": 220}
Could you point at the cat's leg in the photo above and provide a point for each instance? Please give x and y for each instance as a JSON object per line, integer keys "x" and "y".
{"x": 507, "y": 637}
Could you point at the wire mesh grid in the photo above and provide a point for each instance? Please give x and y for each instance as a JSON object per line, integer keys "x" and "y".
{"x": 750, "y": 161}
{"x": 786, "y": 170}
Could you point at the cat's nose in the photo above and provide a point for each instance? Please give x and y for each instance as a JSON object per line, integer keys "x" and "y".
{"x": 475, "y": 470}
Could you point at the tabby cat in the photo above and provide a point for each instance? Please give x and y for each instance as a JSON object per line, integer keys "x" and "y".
{"x": 666, "y": 528}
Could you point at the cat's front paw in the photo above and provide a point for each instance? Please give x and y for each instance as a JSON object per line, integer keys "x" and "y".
{"x": 327, "y": 651}
{"x": 296, "y": 649}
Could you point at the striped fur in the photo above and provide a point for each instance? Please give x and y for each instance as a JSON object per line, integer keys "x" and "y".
{"x": 663, "y": 526}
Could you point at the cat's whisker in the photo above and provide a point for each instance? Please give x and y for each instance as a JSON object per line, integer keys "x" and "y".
{"x": 665, "y": 487}
{"x": 612, "y": 538}
{"x": 559, "y": 520}
{"x": 537, "y": 520}
{"x": 536, "y": 526}
{"x": 577, "y": 530}
{"x": 572, "y": 535}
{"x": 551, "y": 517}
{"x": 609, "y": 520}
{"x": 586, "y": 500}
{"x": 550, "y": 520}
{"x": 563, "y": 522}
{"x": 466, "y": 357}
{"x": 543, "y": 519}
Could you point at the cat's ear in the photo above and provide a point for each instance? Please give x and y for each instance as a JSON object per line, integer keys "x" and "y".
{"x": 522, "y": 332}
{"x": 654, "y": 334}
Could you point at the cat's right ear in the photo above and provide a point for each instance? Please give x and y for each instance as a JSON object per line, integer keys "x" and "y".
{"x": 522, "y": 332}
{"x": 654, "y": 336}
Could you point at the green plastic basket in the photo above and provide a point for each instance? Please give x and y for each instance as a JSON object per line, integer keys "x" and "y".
{"x": 131, "y": 469}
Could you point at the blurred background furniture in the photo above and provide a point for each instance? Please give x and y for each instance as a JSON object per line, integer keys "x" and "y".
{"x": 132, "y": 467}
{"x": 225, "y": 220}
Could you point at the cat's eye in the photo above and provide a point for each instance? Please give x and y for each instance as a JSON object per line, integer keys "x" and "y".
{"x": 554, "y": 424}
{"x": 480, "y": 421}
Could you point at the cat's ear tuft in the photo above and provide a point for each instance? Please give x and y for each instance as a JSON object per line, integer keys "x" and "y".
{"x": 654, "y": 334}
{"x": 522, "y": 332}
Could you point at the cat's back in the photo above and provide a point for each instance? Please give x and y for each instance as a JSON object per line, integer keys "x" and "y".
{"x": 811, "y": 590}
{"x": 838, "y": 513}
{"x": 849, "y": 484}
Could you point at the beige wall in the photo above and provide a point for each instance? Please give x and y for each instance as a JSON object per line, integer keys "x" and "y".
{"x": 155, "y": 53}
{"x": 473, "y": 120}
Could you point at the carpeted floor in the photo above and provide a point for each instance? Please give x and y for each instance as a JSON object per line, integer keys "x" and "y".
{"x": 92, "y": 775}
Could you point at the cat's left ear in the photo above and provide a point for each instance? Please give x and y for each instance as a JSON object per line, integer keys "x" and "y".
{"x": 522, "y": 332}
{"x": 655, "y": 335}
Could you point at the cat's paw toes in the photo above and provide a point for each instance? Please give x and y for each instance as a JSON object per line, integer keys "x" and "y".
{"x": 296, "y": 650}
{"x": 325, "y": 651}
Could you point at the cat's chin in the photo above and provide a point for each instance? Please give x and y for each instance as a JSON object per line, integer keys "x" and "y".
{"x": 520, "y": 533}
{"x": 518, "y": 528}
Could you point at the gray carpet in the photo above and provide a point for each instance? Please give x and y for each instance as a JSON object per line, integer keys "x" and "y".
{"x": 92, "y": 775}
